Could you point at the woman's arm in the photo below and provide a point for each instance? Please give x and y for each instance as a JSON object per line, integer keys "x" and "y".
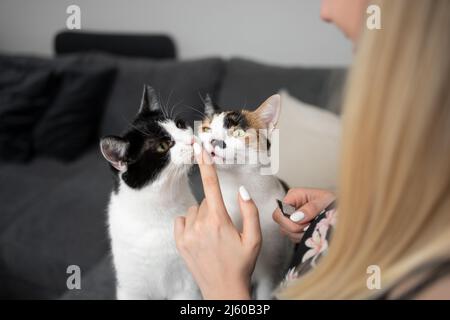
{"x": 220, "y": 258}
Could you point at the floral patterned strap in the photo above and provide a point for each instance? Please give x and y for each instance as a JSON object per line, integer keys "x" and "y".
{"x": 313, "y": 245}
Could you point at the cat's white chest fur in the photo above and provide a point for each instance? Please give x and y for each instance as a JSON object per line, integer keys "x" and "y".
{"x": 264, "y": 191}
{"x": 146, "y": 260}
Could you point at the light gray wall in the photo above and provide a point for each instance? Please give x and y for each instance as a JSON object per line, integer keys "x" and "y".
{"x": 275, "y": 31}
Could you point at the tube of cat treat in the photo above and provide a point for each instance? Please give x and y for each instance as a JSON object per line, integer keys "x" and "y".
{"x": 285, "y": 208}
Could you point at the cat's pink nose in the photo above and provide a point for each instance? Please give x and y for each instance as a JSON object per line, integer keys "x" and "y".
{"x": 192, "y": 140}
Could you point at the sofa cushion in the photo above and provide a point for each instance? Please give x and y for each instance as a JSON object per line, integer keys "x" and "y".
{"x": 71, "y": 122}
{"x": 24, "y": 96}
{"x": 22, "y": 185}
{"x": 98, "y": 284}
{"x": 308, "y": 149}
{"x": 50, "y": 106}
{"x": 247, "y": 84}
{"x": 56, "y": 217}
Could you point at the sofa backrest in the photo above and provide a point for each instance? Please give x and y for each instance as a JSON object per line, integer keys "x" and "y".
{"x": 248, "y": 83}
{"x": 233, "y": 84}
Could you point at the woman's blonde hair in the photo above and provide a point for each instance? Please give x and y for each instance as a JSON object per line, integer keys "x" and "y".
{"x": 394, "y": 188}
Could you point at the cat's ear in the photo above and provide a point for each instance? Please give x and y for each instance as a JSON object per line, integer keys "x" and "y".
{"x": 210, "y": 109}
{"x": 149, "y": 101}
{"x": 114, "y": 149}
{"x": 269, "y": 111}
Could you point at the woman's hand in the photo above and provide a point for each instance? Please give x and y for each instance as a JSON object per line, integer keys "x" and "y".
{"x": 309, "y": 203}
{"x": 220, "y": 258}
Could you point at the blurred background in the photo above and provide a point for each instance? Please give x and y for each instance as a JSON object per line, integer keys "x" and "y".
{"x": 282, "y": 32}
{"x": 60, "y": 90}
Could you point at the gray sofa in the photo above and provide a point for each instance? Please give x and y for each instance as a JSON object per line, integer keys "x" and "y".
{"x": 53, "y": 213}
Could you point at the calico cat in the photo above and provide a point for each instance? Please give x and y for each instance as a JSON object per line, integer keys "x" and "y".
{"x": 234, "y": 140}
{"x": 150, "y": 163}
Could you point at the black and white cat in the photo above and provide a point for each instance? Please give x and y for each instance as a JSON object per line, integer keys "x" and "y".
{"x": 236, "y": 141}
{"x": 150, "y": 164}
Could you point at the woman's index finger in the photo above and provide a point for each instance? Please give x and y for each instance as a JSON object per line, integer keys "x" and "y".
{"x": 210, "y": 181}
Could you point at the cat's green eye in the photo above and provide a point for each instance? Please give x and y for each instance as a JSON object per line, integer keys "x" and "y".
{"x": 206, "y": 129}
{"x": 238, "y": 133}
{"x": 163, "y": 146}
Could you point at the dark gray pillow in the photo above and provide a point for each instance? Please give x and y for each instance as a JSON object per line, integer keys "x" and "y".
{"x": 50, "y": 107}
{"x": 71, "y": 122}
{"x": 25, "y": 93}
{"x": 180, "y": 85}
{"x": 247, "y": 84}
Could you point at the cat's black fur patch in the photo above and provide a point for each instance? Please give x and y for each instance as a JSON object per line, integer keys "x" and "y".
{"x": 235, "y": 119}
{"x": 144, "y": 162}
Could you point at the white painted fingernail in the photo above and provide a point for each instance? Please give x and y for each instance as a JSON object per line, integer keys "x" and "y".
{"x": 244, "y": 193}
{"x": 306, "y": 228}
{"x": 197, "y": 148}
{"x": 297, "y": 216}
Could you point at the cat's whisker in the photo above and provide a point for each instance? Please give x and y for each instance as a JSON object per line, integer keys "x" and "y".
{"x": 130, "y": 124}
{"x": 168, "y": 103}
{"x": 164, "y": 112}
{"x": 178, "y": 113}
{"x": 240, "y": 117}
{"x": 245, "y": 104}
{"x": 174, "y": 117}
{"x": 198, "y": 111}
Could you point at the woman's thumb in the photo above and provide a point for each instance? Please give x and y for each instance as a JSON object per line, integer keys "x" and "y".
{"x": 251, "y": 229}
{"x": 307, "y": 212}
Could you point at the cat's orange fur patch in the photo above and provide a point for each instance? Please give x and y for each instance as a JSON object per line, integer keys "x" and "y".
{"x": 253, "y": 119}
{"x": 254, "y": 122}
